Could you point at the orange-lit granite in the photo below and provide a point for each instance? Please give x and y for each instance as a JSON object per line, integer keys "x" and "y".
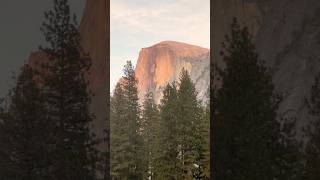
{"x": 161, "y": 63}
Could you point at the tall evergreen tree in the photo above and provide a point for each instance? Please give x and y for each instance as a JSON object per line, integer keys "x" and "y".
{"x": 203, "y": 155}
{"x": 73, "y": 153}
{"x": 207, "y": 136}
{"x": 23, "y": 144}
{"x": 119, "y": 138}
{"x": 189, "y": 127}
{"x": 166, "y": 163}
{"x": 133, "y": 119}
{"x": 150, "y": 126}
{"x": 126, "y": 138}
{"x": 182, "y": 140}
{"x": 248, "y": 140}
{"x": 312, "y": 155}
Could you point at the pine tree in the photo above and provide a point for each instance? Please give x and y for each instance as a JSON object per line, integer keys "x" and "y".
{"x": 23, "y": 143}
{"x": 150, "y": 126}
{"x": 119, "y": 138}
{"x": 166, "y": 163}
{"x": 207, "y": 136}
{"x": 312, "y": 156}
{"x": 133, "y": 119}
{"x": 248, "y": 140}
{"x": 73, "y": 153}
{"x": 126, "y": 139}
{"x": 204, "y": 141}
{"x": 189, "y": 128}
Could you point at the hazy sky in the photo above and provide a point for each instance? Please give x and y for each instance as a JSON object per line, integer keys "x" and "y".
{"x": 20, "y": 22}
{"x": 136, "y": 24}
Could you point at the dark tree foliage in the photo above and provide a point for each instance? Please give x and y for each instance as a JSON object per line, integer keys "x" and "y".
{"x": 118, "y": 135}
{"x": 248, "y": 141}
{"x": 204, "y": 156}
{"x": 182, "y": 138}
{"x": 202, "y": 143}
{"x": 190, "y": 139}
{"x": 126, "y": 139}
{"x": 149, "y": 126}
{"x": 312, "y": 151}
{"x": 133, "y": 119}
{"x": 166, "y": 163}
{"x": 23, "y": 144}
{"x": 72, "y": 149}
{"x": 169, "y": 141}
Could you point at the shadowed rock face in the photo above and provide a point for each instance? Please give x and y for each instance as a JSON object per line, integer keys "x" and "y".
{"x": 286, "y": 34}
{"x": 94, "y": 39}
{"x": 162, "y": 63}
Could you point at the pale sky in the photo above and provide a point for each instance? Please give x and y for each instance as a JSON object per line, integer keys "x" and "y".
{"x": 137, "y": 24}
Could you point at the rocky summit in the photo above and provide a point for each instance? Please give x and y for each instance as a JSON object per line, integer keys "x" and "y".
{"x": 162, "y": 63}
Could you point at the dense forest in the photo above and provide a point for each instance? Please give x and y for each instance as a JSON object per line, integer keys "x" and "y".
{"x": 45, "y": 119}
{"x": 165, "y": 141}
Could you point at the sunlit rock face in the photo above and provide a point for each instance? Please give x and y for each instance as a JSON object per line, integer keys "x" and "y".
{"x": 162, "y": 63}
{"x": 286, "y": 34}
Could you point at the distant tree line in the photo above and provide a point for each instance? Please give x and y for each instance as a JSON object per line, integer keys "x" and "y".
{"x": 166, "y": 141}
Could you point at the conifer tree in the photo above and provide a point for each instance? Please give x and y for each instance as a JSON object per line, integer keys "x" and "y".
{"x": 73, "y": 148}
{"x": 248, "y": 141}
{"x": 166, "y": 163}
{"x": 207, "y": 136}
{"x": 190, "y": 137}
{"x": 312, "y": 156}
{"x": 119, "y": 138}
{"x": 23, "y": 143}
{"x": 135, "y": 151}
{"x": 204, "y": 141}
{"x": 126, "y": 139}
{"x": 150, "y": 126}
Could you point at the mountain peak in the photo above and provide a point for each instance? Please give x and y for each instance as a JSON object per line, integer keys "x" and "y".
{"x": 161, "y": 63}
{"x": 178, "y": 49}
{"x": 173, "y": 44}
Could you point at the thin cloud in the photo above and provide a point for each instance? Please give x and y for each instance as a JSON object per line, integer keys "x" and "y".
{"x": 184, "y": 19}
{"x": 136, "y": 24}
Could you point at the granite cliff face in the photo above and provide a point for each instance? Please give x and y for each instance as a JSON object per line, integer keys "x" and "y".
{"x": 94, "y": 39}
{"x": 287, "y": 35}
{"x": 162, "y": 63}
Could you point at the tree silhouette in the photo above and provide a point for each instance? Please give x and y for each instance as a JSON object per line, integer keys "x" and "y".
{"x": 248, "y": 140}
{"x": 73, "y": 153}
{"x": 312, "y": 157}
{"x": 23, "y": 144}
